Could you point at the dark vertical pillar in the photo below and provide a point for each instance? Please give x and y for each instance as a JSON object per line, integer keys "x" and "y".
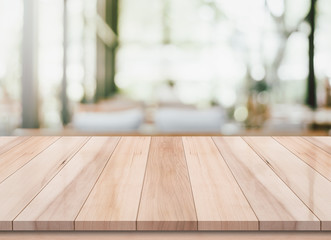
{"x": 30, "y": 117}
{"x": 112, "y": 21}
{"x": 100, "y": 57}
{"x": 311, "y": 83}
{"x": 65, "y": 115}
{"x": 106, "y": 54}
{"x": 110, "y": 88}
{"x": 100, "y": 70}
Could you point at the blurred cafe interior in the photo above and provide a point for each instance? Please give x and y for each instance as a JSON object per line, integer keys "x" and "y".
{"x": 165, "y": 67}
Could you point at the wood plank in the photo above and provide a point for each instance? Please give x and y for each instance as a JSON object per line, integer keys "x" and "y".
{"x": 308, "y": 152}
{"x": 312, "y": 188}
{"x": 22, "y": 186}
{"x": 114, "y": 201}
{"x": 219, "y": 201}
{"x": 166, "y": 201}
{"x": 18, "y": 156}
{"x": 7, "y": 143}
{"x": 275, "y": 205}
{"x": 58, "y": 204}
{"x": 165, "y": 235}
{"x": 322, "y": 142}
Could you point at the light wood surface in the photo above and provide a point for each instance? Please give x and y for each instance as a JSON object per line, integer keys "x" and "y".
{"x": 165, "y": 235}
{"x": 12, "y": 160}
{"x": 114, "y": 201}
{"x": 6, "y": 143}
{"x": 322, "y": 142}
{"x": 164, "y": 184}
{"x": 219, "y": 202}
{"x": 20, "y": 188}
{"x": 312, "y": 188}
{"x": 58, "y": 204}
{"x": 275, "y": 205}
{"x": 310, "y": 153}
{"x": 166, "y": 201}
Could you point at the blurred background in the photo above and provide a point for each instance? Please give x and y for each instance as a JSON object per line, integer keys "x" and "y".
{"x": 140, "y": 67}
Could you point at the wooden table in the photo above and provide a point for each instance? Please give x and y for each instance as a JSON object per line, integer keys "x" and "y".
{"x": 165, "y": 183}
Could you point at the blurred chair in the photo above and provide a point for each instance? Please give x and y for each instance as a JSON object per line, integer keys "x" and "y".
{"x": 181, "y": 120}
{"x": 106, "y": 122}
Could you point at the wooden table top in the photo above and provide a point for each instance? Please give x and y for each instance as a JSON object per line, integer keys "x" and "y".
{"x": 165, "y": 183}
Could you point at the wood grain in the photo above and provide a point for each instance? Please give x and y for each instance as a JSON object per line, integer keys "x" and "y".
{"x": 114, "y": 201}
{"x": 58, "y": 204}
{"x": 165, "y": 235}
{"x": 7, "y": 143}
{"x": 21, "y": 154}
{"x": 166, "y": 201}
{"x": 308, "y": 152}
{"x": 312, "y": 188}
{"x": 165, "y": 183}
{"x": 322, "y": 142}
{"x": 275, "y": 205}
{"x": 219, "y": 201}
{"x": 22, "y": 186}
